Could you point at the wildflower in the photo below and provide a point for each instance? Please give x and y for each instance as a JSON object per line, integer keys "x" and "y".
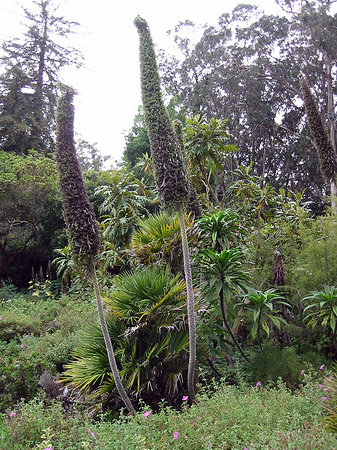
{"x": 147, "y": 413}
{"x": 258, "y": 383}
{"x": 48, "y": 448}
{"x": 324, "y": 398}
{"x": 319, "y": 386}
{"x": 175, "y": 435}
{"x": 0, "y": 318}
{"x": 322, "y": 367}
{"x": 21, "y": 345}
{"x": 93, "y": 434}
{"x": 198, "y": 417}
{"x": 302, "y": 372}
{"x": 325, "y": 389}
{"x": 26, "y": 335}
{"x": 185, "y": 398}
{"x": 12, "y": 414}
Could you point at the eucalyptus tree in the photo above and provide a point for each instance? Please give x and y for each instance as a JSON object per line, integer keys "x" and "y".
{"x": 245, "y": 69}
{"x": 81, "y": 225}
{"x": 33, "y": 63}
{"x": 170, "y": 169}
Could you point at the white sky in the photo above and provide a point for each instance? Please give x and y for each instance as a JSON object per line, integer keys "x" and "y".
{"x": 108, "y": 86}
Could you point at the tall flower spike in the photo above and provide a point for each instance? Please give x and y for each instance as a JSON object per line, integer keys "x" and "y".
{"x": 80, "y": 220}
{"x": 326, "y": 153}
{"x": 168, "y": 162}
{"x": 170, "y": 170}
{"x": 79, "y": 215}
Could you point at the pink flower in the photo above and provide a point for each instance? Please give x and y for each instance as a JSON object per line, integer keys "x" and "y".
{"x": 48, "y": 448}
{"x": 12, "y": 414}
{"x": 0, "y": 318}
{"x": 324, "y": 398}
{"x": 185, "y": 398}
{"x": 198, "y": 417}
{"x": 302, "y": 372}
{"x": 147, "y": 413}
{"x": 26, "y": 335}
{"x": 175, "y": 435}
{"x": 325, "y": 389}
{"x": 93, "y": 434}
{"x": 319, "y": 386}
{"x": 21, "y": 345}
{"x": 322, "y": 367}
{"x": 258, "y": 383}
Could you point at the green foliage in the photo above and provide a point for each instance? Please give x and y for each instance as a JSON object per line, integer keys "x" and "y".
{"x": 315, "y": 265}
{"x": 219, "y": 230}
{"x": 322, "y": 308}
{"x": 223, "y": 416}
{"x": 224, "y": 270}
{"x": 158, "y": 240}
{"x": 260, "y": 305}
{"x": 36, "y": 335}
{"x": 275, "y": 363}
{"x": 330, "y": 406}
{"x": 79, "y": 216}
{"x": 125, "y": 201}
{"x": 26, "y": 185}
{"x": 147, "y": 325}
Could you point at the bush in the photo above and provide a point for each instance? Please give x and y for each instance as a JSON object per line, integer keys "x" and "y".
{"x": 275, "y": 363}
{"x": 36, "y": 337}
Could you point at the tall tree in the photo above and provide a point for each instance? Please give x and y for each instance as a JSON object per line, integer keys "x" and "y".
{"x": 170, "y": 169}
{"x": 33, "y": 64}
{"x": 25, "y": 185}
{"x": 80, "y": 219}
{"x": 245, "y": 69}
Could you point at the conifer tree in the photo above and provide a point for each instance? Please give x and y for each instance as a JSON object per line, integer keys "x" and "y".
{"x": 82, "y": 229}
{"x": 326, "y": 152}
{"x": 170, "y": 170}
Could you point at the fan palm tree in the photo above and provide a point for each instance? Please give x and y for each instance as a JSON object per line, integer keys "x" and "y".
{"x": 147, "y": 323}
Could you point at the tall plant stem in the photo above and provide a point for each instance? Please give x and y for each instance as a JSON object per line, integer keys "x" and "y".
{"x": 108, "y": 344}
{"x": 258, "y": 332}
{"x": 192, "y": 363}
{"x": 224, "y": 318}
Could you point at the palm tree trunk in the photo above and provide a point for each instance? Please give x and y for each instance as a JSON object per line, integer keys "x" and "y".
{"x": 108, "y": 344}
{"x": 192, "y": 363}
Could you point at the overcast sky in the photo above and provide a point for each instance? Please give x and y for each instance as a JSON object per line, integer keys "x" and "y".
{"x": 108, "y": 86}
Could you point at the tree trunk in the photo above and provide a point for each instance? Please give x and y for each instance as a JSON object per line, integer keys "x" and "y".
{"x": 192, "y": 363}
{"x": 108, "y": 344}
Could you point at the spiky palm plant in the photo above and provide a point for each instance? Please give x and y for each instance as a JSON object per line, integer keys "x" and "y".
{"x": 81, "y": 225}
{"x": 170, "y": 170}
{"x": 326, "y": 152}
{"x": 158, "y": 240}
{"x": 147, "y": 322}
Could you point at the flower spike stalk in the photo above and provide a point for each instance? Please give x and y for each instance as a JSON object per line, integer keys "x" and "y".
{"x": 81, "y": 225}
{"x": 170, "y": 169}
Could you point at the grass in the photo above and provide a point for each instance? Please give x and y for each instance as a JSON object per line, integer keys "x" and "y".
{"x": 225, "y": 417}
